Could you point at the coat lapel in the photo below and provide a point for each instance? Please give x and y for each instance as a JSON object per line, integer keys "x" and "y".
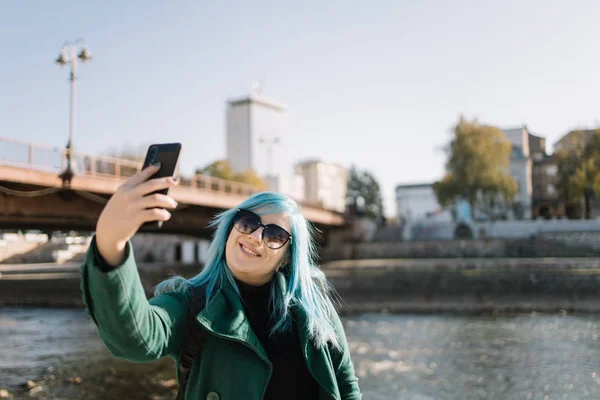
{"x": 224, "y": 316}
{"x": 318, "y": 360}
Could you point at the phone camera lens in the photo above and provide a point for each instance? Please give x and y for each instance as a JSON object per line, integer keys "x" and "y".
{"x": 153, "y": 152}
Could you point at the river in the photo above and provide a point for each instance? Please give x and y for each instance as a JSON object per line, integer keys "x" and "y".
{"x": 533, "y": 356}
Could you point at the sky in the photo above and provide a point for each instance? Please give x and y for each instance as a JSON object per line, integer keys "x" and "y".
{"x": 374, "y": 84}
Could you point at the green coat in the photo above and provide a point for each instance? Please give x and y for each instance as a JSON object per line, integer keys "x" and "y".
{"x": 234, "y": 365}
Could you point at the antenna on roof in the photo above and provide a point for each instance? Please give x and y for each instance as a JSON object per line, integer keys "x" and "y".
{"x": 257, "y": 87}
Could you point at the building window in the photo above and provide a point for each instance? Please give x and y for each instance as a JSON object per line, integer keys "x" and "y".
{"x": 552, "y": 170}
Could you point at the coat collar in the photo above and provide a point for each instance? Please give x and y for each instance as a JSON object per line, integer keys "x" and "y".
{"x": 224, "y": 316}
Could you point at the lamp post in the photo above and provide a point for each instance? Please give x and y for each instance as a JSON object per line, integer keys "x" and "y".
{"x": 68, "y": 55}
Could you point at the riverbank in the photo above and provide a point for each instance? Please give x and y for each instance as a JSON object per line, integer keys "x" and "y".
{"x": 104, "y": 377}
{"x": 383, "y": 285}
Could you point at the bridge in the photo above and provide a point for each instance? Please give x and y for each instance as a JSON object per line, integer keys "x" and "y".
{"x": 33, "y": 196}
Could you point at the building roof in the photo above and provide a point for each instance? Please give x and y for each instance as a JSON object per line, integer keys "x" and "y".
{"x": 414, "y": 186}
{"x": 565, "y": 140}
{"x": 537, "y": 144}
{"x": 517, "y": 137}
{"x": 515, "y": 129}
{"x": 257, "y": 99}
{"x": 313, "y": 161}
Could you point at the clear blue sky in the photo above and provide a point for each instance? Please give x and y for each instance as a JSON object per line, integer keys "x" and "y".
{"x": 378, "y": 84}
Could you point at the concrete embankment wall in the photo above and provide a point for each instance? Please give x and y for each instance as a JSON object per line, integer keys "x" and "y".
{"x": 60, "y": 285}
{"x": 556, "y": 245}
{"x": 468, "y": 285}
{"x": 434, "y": 285}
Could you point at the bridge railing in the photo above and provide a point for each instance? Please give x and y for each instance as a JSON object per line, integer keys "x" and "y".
{"x": 107, "y": 166}
{"x": 18, "y": 153}
{"x": 48, "y": 158}
{"x": 22, "y": 154}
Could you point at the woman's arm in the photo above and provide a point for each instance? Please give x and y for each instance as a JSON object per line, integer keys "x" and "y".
{"x": 131, "y": 327}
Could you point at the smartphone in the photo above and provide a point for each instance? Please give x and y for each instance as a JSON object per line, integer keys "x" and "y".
{"x": 168, "y": 155}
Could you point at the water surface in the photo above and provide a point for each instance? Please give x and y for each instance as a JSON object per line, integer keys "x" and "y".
{"x": 396, "y": 357}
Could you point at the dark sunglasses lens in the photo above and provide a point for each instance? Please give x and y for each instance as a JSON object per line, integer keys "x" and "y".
{"x": 246, "y": 222}
{"x": 275, "y": 237}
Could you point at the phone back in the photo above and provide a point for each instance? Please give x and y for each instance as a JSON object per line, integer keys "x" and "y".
{"x": 168, "y": 156}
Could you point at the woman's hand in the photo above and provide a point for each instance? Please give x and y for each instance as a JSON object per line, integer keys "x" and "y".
{"x": 130, "y": 207}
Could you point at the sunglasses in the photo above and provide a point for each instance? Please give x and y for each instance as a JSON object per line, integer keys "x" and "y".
{"x": 273, "y": 236}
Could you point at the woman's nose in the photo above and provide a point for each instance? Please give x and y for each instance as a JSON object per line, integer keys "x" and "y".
{"x": 257, "y": 235}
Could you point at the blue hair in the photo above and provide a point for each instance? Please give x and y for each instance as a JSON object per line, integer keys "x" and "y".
{"x": 300, "y": 282}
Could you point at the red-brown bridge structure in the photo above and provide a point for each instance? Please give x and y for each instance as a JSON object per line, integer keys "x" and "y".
{"x": 33, "y": 196}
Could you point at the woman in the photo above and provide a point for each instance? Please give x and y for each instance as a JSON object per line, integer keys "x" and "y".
{"x": 271, "y": 329}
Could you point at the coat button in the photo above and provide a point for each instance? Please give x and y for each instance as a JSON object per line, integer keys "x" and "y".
{"x": 212, "y": 396}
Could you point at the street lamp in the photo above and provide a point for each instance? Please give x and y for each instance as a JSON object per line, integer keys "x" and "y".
{"x": 68, "y": 55}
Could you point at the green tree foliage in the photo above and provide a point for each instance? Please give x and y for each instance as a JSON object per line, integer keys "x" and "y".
{"x": 218, "y": 169}
{"x": 222, "y": 169}
{"x": 477, "y": 167}
{"x": 364, "y": 194}
{"x": 251, "y": 178}
{"x": 578, "y": 165}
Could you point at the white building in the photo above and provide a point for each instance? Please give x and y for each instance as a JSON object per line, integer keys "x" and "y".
{"x": 416, "y": 202}
{"x": 324, "y": 183}
{"x": 257, "y": 136}
{"x": 417, "y": 206}
{"x": 521, "y": 169}
{"x": 290, "y": 184}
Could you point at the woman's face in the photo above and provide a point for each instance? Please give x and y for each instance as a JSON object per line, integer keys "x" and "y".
{"x": 249, "y": 259}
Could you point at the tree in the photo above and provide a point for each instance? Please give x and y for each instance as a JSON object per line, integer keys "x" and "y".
{"x": 251, "y": 178}
{"x": 477, "y": 167}
{"x": 218, "y": 169}
{"x": 222, "y": 169}
{"x": 364, "y": 194}
{"x": 578, "y": 164}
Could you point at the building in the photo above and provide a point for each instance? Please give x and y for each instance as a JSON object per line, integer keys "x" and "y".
{"x": 325, "y": 184}
{"x": 419, "y": 213}
{"x": 545, "y": 197}
{"x": 289, "y": 184}
{"x": 546, "y": 202}
{"x": 536, "y": 174}
{"x": 257, "y": 135}
{"x": 521, "y": 169}
{"x": 537, "y": 146}
{"x": 574, "y": 139}
{"x": 416, "y": 202}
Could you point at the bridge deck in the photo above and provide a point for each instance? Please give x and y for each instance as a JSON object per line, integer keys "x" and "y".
{"x": 37, "y": 167}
